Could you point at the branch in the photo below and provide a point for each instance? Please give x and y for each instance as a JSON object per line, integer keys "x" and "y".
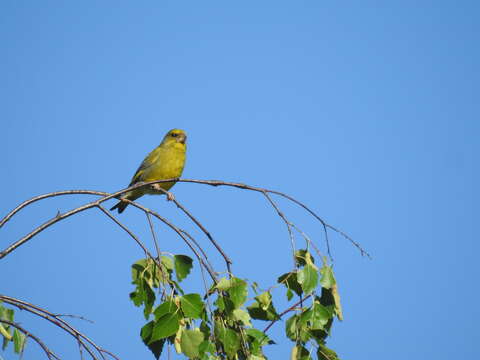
{"x": 50, "y": 354}
{"x": 82, "y": 339}
{"x": 286, "y": 311}
{"x": 107, "y": 196}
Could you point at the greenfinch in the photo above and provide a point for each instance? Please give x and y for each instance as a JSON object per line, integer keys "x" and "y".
{"x": 165, "y": 162}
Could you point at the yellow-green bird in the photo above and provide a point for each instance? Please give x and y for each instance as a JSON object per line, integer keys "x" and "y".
{"x": 164, "y": 162}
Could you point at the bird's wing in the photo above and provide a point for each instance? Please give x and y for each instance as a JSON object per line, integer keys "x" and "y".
{"x": 144, "y": 167}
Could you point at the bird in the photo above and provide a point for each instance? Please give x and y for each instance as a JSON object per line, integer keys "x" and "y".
{"x": 166, "y": 161}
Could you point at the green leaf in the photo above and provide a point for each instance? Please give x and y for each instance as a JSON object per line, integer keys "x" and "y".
{"x": 206, "y": 347}
{"x": 4, "y": 332}
{"x": 146, "y": 334}
{"x": 18, "y": 341}
{"x": 316, "y": 317}
{"x": 338, "y": 305}
{"x": 149, "y": 300}
{"x": 138, "y": 268}
{"x": 264, "y": 299}
{"x": 238, "y": 291}
{"x": 223, "y": 284}
{"x": 308, "y": 278}
{"x": 328, "y": 279}
{"x": 6, "y": 314}
{"x": 183, "y": 264}
{"x": 330, "y": 297}
{"x": 329, "y": 282}
{"x": 300, "y": 353}
{"x": 243, "y": 316}
{"x": 291, "y": 282}
{"x": 137, "y": 297}
{"x": 146, "y": 331}
{"x": 256, "y": 357}
{"x": 257, "y": 312}
{"x": 143, "y": 294}
{"x": 192, "y": 306}
{"x": 257, "y": 340}
{"x": 303, "y": 257}
{"x": 324, "y": 353}
{"x": 148, "y": 270}
{"x": 165, "y": 326}
{"x": 321, "y": 315}
{"x": 289, "y": 294}
{"x": 291, "y": 328}
{"x": 230, "y": 341}
{"x": 259, "y": 336}
{"x": 167, "y": 262}
{"x": 225, "y": 304}
{"x": 166, "y": 307}
{"x": 190, "y": 342}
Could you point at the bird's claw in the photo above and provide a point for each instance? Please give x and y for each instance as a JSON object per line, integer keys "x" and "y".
{"x": 170, "y": 196}
{"x": 156, "y": 187}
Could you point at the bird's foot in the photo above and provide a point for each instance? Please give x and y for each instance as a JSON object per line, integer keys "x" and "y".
{"x": 170, "y": 196}
{"x": 157, "y": 187}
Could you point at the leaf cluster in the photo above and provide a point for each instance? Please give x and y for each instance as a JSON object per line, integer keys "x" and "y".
{"x": 9, "y": 333}
{"x": 219, "y": 324}
{"x": 311, "y": 324}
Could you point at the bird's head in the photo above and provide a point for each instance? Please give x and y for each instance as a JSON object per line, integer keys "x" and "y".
{"x": 175, "y": 136}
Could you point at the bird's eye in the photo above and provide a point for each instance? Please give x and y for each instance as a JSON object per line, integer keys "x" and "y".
{"x": 174, "y": 134}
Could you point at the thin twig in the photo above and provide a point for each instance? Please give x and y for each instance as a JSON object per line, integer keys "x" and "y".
{"x": 207, "y": 233}
{"x": 154, "y": 236}
{"x": 74, "y": 317}
{"x": 129, "y": 232}
{"x": 180, "y": 232}
{"x": 199, "y": 224}
{"x": 286, "y": 311}
{"x": 288, "y": 223}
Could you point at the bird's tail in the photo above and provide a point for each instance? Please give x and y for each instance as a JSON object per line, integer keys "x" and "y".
{"x": 121, "y": 205}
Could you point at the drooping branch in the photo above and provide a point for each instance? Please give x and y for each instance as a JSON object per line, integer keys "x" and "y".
{"x": 107, "y": 196}
{"x": 84, "y": 342}
{"x": 96, "y": 204}
{"x": 49, "y": 353}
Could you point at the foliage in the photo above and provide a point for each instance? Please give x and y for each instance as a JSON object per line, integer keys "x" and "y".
{"x": 10, "y": 333}
{"x": 218, "y": 325}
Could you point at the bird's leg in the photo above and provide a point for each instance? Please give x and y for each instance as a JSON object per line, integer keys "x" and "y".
{"x": 157, "y": 187}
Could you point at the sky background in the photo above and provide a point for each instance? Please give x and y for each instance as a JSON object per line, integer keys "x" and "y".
{"x": 367, "y": 111}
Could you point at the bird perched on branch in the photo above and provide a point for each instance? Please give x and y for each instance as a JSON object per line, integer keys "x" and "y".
{"x": 164, "y": 162}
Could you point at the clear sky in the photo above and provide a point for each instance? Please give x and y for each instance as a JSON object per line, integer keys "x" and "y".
{"x": 368, "y": 111}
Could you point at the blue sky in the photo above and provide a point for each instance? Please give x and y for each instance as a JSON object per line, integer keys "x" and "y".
{"x": 366, "y": 111}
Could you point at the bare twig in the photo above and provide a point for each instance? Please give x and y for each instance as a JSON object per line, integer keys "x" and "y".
{"x": 288, "y": 223}
{"x": 107, "y": 196}
{"x": 129, "y": 232}
{"x": 74, "y": 317}
{"x": 180, "y": 232}
{"x": 199, "y": 224}
{"x": 154, "y": 236}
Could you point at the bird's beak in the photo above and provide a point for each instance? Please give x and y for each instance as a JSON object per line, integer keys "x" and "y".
{"x": 182, "y": 138}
